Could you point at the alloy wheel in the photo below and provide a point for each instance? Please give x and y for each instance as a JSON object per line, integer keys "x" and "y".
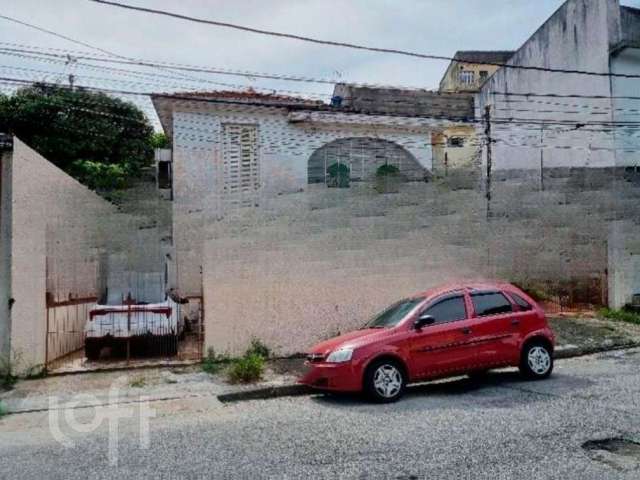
{"x": 387, "y": 380}
{"x": 539, "y": 360}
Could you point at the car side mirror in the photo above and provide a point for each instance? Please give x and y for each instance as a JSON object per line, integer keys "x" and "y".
{"x": 423, "y": 321}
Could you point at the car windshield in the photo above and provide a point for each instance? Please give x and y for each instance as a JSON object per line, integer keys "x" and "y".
{"x": 393, "y": 314}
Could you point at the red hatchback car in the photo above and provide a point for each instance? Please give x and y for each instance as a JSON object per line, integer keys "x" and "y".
{"x": 446, "y": 331}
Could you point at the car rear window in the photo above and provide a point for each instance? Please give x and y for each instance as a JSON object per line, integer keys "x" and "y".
{"x": 490, "y": 303}
{"x": 522, "y": 303}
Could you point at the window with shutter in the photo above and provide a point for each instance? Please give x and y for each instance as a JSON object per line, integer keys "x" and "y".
{"x": 241, "y": 178}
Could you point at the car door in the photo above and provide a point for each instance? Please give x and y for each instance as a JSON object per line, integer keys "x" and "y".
{"x": 497, "y": 328}
{"x": 442, "y": 348}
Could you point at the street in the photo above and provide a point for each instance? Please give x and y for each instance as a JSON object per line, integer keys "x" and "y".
{"x": 502, "y": 427}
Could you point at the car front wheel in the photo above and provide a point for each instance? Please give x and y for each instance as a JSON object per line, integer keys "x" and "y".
{"x": 536, "y": 361}
{"x": 385, "y": 381}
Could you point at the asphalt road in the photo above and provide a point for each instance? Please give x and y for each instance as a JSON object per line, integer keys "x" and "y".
{"x": 499, "y": 428}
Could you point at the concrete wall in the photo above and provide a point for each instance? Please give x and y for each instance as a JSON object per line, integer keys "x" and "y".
{"x": 305, "y": 265}
{"x": 61, "y": 235}
{"x": 5, "y": 253}
{"x": 624, "y": 263}
{"x": 577, "y": 37}
{"x": 284, "y": 149}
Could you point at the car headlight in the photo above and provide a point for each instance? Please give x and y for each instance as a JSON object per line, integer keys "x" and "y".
{"x": 340, "y": 356}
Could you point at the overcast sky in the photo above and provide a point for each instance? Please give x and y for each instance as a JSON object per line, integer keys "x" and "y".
{"x": 429, "y": 26}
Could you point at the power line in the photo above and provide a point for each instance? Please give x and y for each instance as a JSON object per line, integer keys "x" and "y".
{"x": 352, "y": 45}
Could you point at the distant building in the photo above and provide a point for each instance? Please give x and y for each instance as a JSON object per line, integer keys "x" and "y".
{"x": 470, "y": 69}
{"x": 457, "y": 150}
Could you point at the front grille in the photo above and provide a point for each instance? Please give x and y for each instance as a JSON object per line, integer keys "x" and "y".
{"x": 315, "y": 357}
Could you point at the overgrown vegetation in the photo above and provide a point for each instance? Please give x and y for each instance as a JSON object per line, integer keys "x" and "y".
{"x": 8, "y": 376}
{"x": 256, "y": 347}
{"x": 3, "y": 410}
{"x": 160, "y": 140}
{"x": 620, "y": 315}
{"x": 214, "y": 362}
{"x": 246, "y": 369}
{"x": 100, "y": 140}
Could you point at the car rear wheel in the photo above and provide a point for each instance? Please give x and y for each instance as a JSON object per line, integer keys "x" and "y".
{"x": 385, "y": 381}
{"x": 536, "y": 361}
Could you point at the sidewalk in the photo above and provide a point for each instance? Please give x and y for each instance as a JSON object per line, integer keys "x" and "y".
{"x": 575, "y": 337}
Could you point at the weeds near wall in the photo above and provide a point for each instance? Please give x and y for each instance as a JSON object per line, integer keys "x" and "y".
{"x": 8, "y": 376}
{"x": 213, "y": 362}
{"x": 246, "y": 369}
{"x": 258, "y": 348}
{"x": 3, "y": 410}
{"x": 621, "y": 315}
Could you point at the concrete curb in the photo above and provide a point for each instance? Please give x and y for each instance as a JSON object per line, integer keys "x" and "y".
{"x": 293, "y": 390}
{"x": 296, "y": 390}
{"x": 574, "y": 351}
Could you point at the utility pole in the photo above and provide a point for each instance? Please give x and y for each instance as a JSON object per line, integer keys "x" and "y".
{"x": 542, "y": 157}
{"x": 487, "y": 133}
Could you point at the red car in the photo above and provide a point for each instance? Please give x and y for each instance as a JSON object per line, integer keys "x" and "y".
{"x": 446, "y": 331}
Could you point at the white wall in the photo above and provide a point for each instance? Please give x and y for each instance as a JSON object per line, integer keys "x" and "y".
{"x": 577, "y": 37}
{"x": 284, "y": 149}
{"x": 50, "y": 213}
{"x": 627, "y": 141}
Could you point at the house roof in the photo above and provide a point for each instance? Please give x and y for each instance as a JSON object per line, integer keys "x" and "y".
{"x": 247, "y": 95}
{"x": 163, "y": 102}
{"x": 483, "y": 56}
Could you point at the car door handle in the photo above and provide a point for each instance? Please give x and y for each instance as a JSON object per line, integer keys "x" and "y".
{"x": 466, "y": 331}
{"x": 515, "y": 322}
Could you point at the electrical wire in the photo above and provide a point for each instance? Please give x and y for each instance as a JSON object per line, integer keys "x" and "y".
{"x": 352, "y": 45}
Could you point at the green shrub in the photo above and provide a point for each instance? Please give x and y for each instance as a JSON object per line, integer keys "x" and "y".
{"x": 3, "y": 410}
{"x": 339, "y": 175}
{"x": 387, "y": 169}
{"x": 213, "y": 362}
{"x": 246, "y": 369}
{"x": 100, "y": 176}
{"x": 258, "y": 348}
{"x": 620, "y": 315}
{"x": 337, "y": 169}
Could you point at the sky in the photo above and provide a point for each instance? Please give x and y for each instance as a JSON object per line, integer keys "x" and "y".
{"x": 439, "y": 27}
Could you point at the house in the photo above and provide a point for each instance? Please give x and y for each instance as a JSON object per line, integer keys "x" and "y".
{"x": 234, "y": 149}
{"x": 457, "y": 151}
{"x": 278, "y": 254}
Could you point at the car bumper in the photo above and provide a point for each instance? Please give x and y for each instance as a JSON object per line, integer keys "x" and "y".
{"x": 339, "y": 377}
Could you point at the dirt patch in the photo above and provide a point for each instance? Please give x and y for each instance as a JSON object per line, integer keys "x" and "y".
{"x": 587, "y": 332}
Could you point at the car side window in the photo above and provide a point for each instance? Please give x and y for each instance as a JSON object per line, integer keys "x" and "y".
{"x": 448, "y": 310}
{"x": 490, "y": 303}
{"x": 522, "y": 303}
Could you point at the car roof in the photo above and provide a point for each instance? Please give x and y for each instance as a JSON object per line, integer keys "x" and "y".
{"x": 471, "y": 286}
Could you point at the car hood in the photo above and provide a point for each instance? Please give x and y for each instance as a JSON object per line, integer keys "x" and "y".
{"x": 355, "y": 339}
